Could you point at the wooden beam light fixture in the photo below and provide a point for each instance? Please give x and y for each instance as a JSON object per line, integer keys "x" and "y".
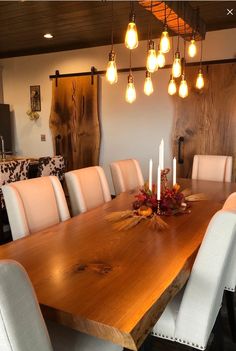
{"x": 168, "y": 11}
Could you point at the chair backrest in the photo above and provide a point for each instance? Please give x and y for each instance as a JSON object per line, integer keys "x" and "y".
{"x": 203, "y": 294}
{"x": 12, "y": 171}
{"x": 126, "y": 175}
{"x": 22, "y": 327}
{"x": 212, "y": 167}
{"x": 88, "y": 188}
{"x": 34, "y": 204}
{"x": 230, "y": 284}
{"x": 55, "y": 166}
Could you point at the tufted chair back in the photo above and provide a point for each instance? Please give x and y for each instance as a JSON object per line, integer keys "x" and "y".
{"x": 189, "y": 318}
{"x": 126, "y": 175}
{"x": 88, "y": 188}
{"x": 55, "y": 166}
{"x": 22, "y": 327}
{"x": 34, "y": 204}
{"x": 212, "y": 167}
{"x": 230, "y": 205}
{"x": 12, "y": 171}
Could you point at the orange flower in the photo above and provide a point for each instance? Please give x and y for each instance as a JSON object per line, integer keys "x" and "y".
{"x": 176, "y": 187}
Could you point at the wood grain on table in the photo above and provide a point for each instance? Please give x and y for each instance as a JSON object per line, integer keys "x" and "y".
{"x": 115, "y": 284}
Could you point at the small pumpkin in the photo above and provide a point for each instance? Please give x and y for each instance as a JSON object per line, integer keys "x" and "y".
{"x": 145, "y": 211}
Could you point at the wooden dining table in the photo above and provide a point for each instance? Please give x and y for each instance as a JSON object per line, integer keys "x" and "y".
{"x": 115, "y": 284}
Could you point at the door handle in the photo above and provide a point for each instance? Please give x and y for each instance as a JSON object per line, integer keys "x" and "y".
{"x": 181, "y": 150}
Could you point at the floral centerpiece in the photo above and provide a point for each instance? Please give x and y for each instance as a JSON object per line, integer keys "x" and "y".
{"x": 172, "y": 199}
{"x": 147, "y": 207}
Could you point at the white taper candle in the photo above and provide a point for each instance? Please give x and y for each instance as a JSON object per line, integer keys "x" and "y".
{"x": 158, "y": 183}
{"x": 174, "y": 171}
{"x": 161, "y": 154}
{"x": 150, "y": 175}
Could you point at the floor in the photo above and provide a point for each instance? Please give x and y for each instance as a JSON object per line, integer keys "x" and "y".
{"x": 164, "y": 345}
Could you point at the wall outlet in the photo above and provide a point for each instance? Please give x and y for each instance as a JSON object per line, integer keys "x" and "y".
{"x": 43, "y": 137}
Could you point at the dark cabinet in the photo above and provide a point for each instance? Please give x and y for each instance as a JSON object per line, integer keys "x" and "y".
{"x": 5, "y": 127}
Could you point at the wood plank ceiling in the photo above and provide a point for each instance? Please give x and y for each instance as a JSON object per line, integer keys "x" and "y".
{"x": 82, "y": 24}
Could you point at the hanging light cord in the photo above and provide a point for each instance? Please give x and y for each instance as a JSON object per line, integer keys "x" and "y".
{"x": 201, "y": 54}
{"x": 151, "y": 23}
{"x": 178, "y": 36}
{"x": 112, "y": 25}
{"x": 165, "y": 15}
{"x": 184, "y": 42}
{"x": 130, "y": 72}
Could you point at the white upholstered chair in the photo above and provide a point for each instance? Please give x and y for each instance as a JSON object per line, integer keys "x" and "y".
{"x": 34, "y": 204}
{"x": 22, "y": 327}
{"x": 230, "y": 205}
{"x": 230, "y": 284}
{"x": 189, "y": 318}
{"x": 126, "y": 175}
{"x": 88, "y": 188}
{"x": 212, "y": 167}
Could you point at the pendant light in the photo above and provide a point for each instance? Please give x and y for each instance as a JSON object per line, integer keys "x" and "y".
{"x": 161, "y": 60}
{"x": 200, "y": 79}
{"x": 192, "y": 49}
{"x": 165, "y": 40}
{"x": 176, "y": 67}
{"x": 130, "y": 94}
{"x": 151, "y": 63}
{"x": 172, "y": 86}
{"x": 111, "y": 73}
{"x": 183, "y": 87}
{"x": 131, "y": 37}
{"x": 148, "y": 86}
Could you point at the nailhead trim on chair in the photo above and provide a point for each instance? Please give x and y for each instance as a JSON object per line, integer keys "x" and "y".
{"x": 185, "y": 342}
{"x": 230, "y": 289}
{"x": 196, "y": 346}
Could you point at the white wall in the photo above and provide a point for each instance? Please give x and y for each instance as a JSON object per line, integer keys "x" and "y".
{"x": 127, "y": 130}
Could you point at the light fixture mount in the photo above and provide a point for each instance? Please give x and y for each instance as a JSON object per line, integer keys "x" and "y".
{"x": 112, "y": 55}
{"x": 132, "y": 17}
{"x": 130, "y": 78}
{"x": 151, "y": 45}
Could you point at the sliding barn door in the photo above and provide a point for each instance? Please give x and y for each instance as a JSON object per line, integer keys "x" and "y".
{"x": 206, "y": 119}
{"x": 74, "y": 120}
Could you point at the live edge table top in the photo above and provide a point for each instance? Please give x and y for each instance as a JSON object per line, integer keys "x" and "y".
{"x": 115, "y": 284}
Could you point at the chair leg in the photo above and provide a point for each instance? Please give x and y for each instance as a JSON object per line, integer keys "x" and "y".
{"x": 229, "y": 295}
{"x": 218, "y": 340}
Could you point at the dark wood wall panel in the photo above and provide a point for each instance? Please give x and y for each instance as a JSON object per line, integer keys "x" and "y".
{"x": 207, "y": 119}
{"x": 74, "y": 117}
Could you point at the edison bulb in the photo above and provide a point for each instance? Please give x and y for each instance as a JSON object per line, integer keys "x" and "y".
{"x": 111, "y": 73}
{"x": 131, "y": 37}
{"x": 152, "y": 65}
{"x": 148, "y": 86}
{"x": 172, "y": 86}
{"x": 165, "y": 42}
{"x": 183, "y": 88}
{"x": 161, "y": 61}
{"x": 192, "y": 49}
{"x": 130, "y": 95}
{"x": 200, "y": 80}
{"x": 176, "y": 68}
